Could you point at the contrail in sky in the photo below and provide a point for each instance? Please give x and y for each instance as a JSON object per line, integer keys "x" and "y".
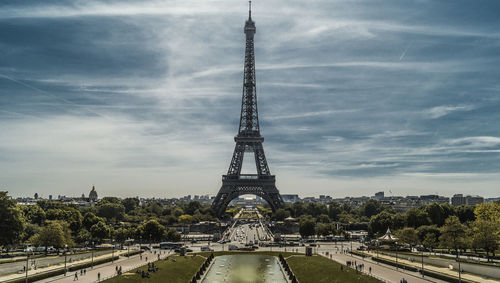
{"x": 53, "y": 96}
{"x": 404, "y": 52}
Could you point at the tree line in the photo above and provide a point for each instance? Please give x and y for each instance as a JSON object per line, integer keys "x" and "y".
{"x": 52, "y": 223}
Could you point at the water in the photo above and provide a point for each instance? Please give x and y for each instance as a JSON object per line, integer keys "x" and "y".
{"x": 245, "y": 268}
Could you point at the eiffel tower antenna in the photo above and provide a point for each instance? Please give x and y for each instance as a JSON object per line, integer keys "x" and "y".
{"x": 248, "y": 140}
{"x": 249, "y": 9}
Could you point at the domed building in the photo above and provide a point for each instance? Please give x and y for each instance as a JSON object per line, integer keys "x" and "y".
{"x": 93, "y": 195}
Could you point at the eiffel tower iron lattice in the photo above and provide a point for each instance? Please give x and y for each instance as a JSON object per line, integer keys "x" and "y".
{"x": 248, "y": 140}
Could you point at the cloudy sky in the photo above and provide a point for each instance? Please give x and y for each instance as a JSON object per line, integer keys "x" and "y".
{"x": 143, "y": 97}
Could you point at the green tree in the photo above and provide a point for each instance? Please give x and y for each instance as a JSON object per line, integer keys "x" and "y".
{"x": 453, "y": 234}
{"x": 153, "y": 230}
{"x": 130, "y": 204}
{"x": 380, "y": 222}
{"x": 100, "y": 231}
{"x": 370, "y": 208}
{"x": 417, "y": 217}
{"x": 11, "y": 221}
{"x": 111, "y": 210}
{"x": 485, "y": 235}
{"x": 280, "y": 214}
{"x": 334, "y": 210}
{"x": 89, "y": 219}
{"x": 408, "y": 236}
{"x": 466, "y": 213}
{"x": 33, "y": 214}
{"x": 185, "y": 219}
{"x": 83, "y": 236}
{"x": 121, "y": 234}
{"x": 430, "y": 241}
{"x": 325, "y": 230}
{"x": 422, "y": 231}
{"x": 323, "y": 218}
{"x": 307, "y": 228}
{"x": 178, "y": 212}
{"x": 173, "y": 236}
{"x": 436, "y": 213}
{"x": 53, "y": 235}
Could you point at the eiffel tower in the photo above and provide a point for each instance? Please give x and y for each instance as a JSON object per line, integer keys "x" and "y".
{"x": 234, "y": 184}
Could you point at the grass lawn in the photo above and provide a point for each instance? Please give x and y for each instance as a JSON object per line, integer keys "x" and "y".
{"x": 317, "y": 269}
{"x": 180, "y": 271}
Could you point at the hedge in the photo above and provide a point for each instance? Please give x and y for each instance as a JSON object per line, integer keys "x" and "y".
{"x": 444, "y": 276}
{"x": 393, "y": 263}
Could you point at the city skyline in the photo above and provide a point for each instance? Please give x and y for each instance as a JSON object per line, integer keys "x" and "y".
{"x": 353, "y": 97}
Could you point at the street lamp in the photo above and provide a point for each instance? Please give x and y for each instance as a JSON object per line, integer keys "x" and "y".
{"x": 113, "y": 251}
{"x": 92, "y": 263}
{"x": 27, "y": 258}
{"x": 65, "y": 255}
{"x": 396, "y": 255}
{"x": 422, "y": 262}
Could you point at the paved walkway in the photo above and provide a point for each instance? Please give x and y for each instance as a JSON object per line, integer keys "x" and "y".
{"x": 108, "y": 270}
{"x": 445, "y": 270}
{"x": 56, "y": 266}
{"x": 381, "y": 271}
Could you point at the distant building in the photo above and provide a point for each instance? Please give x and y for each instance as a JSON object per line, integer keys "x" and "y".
{"x": 379, "y": 195}
{"x": 50, "y": 197}
{"x": 290, "y": 198}
{"x": 36, "y": 196}
{"x": 473, "y": 200}
{"x": 458, "y": 199}
{"x": 93, "y": 195}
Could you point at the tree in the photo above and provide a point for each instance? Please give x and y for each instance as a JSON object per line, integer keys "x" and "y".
{"x": 453, "y": 234}
{"x": 153, "y": 230}
{"x": 33, "y": 214}
{"x": 485, "y": 235}
{"x": 380, "y": 222}
{"x": 121, "y": 234}
{"x": 173, "y": 236}
{"x": 466, "y": 213}
{"x": 334, "y": 210}
{"x": 436, "y": 213}
{"x": 325, "y": 229}
{"x": 280, "y": 214}
{"x": 100, "y": 231}
{"x": 185, "y": 219}
{"x": 370, "y": 208}
{"x": 417, "y": 217}
{"x": 83, "y": 236}
{"x": 408, "y": 236}
{"x": 323, "y": 218}
{"x": 430, "y": 241}
{"x": 130, "y": 204}
{"x": 111, "y": 210}
{"x": 178, "y": 212}
{"x": 307, "y": 228}
{"x": 489, "y": 211}
{"x": 89, "y": 219}
{"x": 51, "y": 235}
{"x": 422, "y": 231}
{"x": 11, "y": 221}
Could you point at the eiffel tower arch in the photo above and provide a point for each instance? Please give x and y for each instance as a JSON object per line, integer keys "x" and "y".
{"x": 248, "y": 140}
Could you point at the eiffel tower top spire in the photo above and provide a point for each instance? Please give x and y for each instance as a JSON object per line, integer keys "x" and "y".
{"x": 249, "y": 119}
{"x": 250, "y": 10}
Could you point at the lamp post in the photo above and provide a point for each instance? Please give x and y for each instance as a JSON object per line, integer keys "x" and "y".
{"x": 92, "y": 263}
{"x": 113, "y": 251}
{"x": 65, "y": 255}
{"x": 27, "y": 258}
{"x": 422, "y": 262}
{"x": 396, "y": 255}
{"x": 459, "y": 270}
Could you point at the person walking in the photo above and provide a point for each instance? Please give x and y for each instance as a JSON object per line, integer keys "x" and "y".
{"x": 76, "y": 276}
{"x": 98, "y": 276}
